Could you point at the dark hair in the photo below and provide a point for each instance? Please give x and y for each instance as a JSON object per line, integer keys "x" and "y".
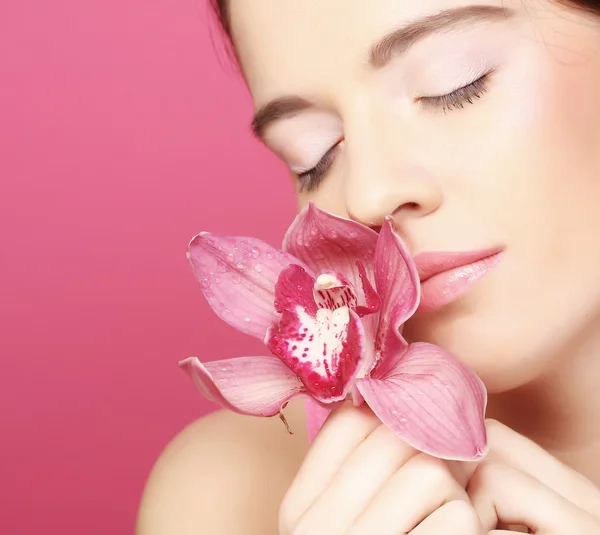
{"x": 593, "y": 6}
{"x": 221, "y": 10}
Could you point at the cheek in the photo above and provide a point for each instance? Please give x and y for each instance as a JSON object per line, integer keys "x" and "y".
{"x": 555, "y": 184}
{"x": 544, "y": 168}
{"x": 542, "y": 164}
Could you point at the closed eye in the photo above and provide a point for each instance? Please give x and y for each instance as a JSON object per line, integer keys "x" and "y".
{"x": 457, "y": 99}
{"x": 311, "y": 179}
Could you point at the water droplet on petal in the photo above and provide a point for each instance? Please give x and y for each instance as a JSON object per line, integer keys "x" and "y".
{"x": 403, "y": 420}
{"x": 255, "y": 252}
{"x": 270, "y": 256}
{"x": 205, "y": 283}
{"x": 247, "y": 319}
{"x": 231, "y": 257}
{"x": 258, "y": 268}
{"x": 314, "y": 231}
{"x": 218, "y": 280}
{"x": 240, "y": 266}
{"x": 236, "y": 278}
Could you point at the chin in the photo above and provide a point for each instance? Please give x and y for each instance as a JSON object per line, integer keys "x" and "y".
{"x": 505, "y": 351}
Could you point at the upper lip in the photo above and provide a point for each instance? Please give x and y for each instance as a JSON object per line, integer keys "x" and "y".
{"x": 433, "y": 263}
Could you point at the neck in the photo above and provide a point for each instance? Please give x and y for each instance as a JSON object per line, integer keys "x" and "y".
{"x": 560, "y": 411}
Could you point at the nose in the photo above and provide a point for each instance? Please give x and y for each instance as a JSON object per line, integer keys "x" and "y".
{"x": 379, "y": 184}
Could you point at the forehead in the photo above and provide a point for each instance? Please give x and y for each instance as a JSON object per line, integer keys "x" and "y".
{"x": 300, "y": 46}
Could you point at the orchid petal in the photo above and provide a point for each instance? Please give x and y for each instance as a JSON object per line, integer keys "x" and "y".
{"x": 316, "y": 414}
{"x": 294, "y": 288}
{"x": 238, "y": 277}
{"x": 372, "y": 300}
{"x": 369, "y": 319}
{"x": 398, "y": 286}
{"x": 327, "y": 243}
{"x": 432, "y": 401}
{"x": 325, "y": 351}
{"x": 256, "y": 386}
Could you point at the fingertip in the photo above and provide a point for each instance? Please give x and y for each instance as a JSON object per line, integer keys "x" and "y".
{"x": 492, "y": 424}
{"x": 348, "y": 418}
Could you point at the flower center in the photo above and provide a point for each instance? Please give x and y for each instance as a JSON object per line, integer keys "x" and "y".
{"x": 318, "y": 334}
{"x": 326, "y": 281}
{"x": 333, "y": 292}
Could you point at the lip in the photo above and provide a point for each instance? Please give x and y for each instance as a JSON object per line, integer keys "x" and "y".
{"x": 446, "y": 276}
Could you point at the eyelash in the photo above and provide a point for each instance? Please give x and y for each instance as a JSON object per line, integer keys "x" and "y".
{"x": 459, "y": 97}
{"x": 311, "y": 179}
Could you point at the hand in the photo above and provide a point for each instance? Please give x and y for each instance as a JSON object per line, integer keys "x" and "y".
{"x": 360, "y": 479}
{"x": 519, "y": 483}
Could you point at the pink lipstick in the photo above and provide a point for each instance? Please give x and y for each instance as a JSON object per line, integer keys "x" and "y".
{"x": 446, "y": 276}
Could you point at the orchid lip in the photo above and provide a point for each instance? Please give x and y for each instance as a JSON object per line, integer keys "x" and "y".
{"x": 433, "y": 263}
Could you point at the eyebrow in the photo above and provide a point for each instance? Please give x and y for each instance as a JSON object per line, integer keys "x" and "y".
{"x": 396, "y": 43}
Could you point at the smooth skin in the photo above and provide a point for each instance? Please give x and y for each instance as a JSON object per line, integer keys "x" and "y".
{"x": 517, "y": 166}
{"x": 357, "y": 478}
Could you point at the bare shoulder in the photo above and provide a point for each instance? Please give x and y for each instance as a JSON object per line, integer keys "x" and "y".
{"x": 224, "y": 474}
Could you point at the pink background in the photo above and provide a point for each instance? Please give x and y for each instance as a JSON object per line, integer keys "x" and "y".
{"x": 121, "y": 136}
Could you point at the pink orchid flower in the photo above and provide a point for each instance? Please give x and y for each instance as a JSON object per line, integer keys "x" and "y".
{"x": 330, "y": 307}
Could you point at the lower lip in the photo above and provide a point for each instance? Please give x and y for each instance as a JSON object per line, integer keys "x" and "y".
{"x": 448, "y": 286}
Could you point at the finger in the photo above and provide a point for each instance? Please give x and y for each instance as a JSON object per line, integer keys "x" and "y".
{"x": 342, "y": 433}
{"x": 358, "y": 481}
{"x": 513, "y": 449}
{"x": 419, "y": 488}
{"x": 501, "y": 494}
{"x": 453, "y": 518}
{"x": 507, "y": 528}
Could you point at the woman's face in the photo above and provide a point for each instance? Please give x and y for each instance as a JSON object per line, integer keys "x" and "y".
{"x": 512, "y": 161}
